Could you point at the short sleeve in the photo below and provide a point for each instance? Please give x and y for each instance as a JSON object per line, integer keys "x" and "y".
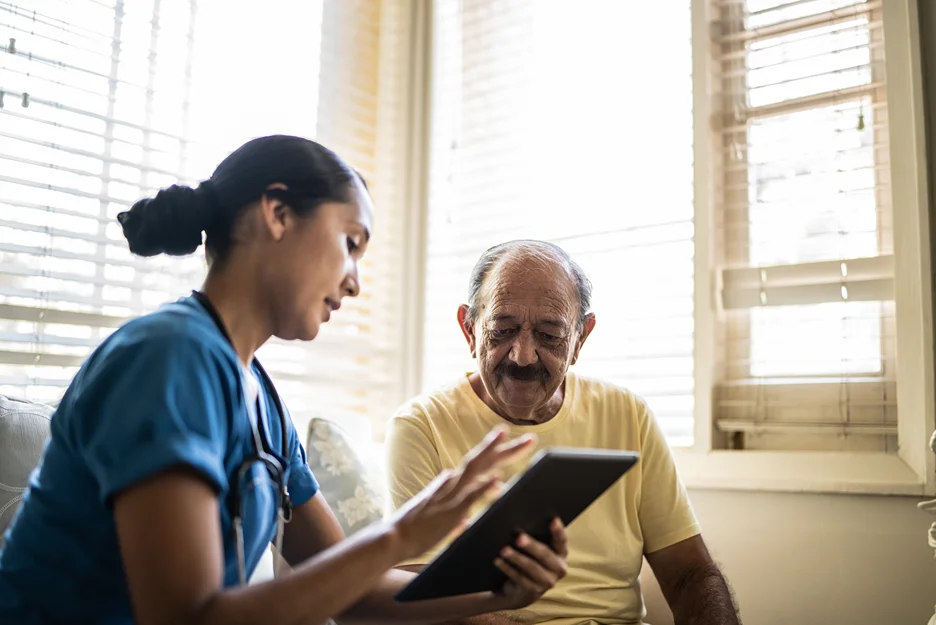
{"x": 665, "y": 513}
{"x": 302, "y": 484}
{"x": 412, "y": 463}
{"x": 152, "y": 404}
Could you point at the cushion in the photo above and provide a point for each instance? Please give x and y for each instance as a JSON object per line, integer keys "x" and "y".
{"x": 350, "y": 482}
{"x": 24, "y": 428}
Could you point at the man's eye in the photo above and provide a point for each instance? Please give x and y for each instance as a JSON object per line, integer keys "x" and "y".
{"x": 500, "y": 333}
{"x": 353, "y": 245}
{"x": 545, "y": 336}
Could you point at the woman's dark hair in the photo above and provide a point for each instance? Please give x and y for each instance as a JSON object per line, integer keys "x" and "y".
{"x": 172, "y": 222}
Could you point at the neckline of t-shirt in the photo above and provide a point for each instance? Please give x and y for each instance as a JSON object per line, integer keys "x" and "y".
{"x": 494, "y": 419}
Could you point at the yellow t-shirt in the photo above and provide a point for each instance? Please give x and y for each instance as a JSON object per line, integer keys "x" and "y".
{"x": 645, "y": 511}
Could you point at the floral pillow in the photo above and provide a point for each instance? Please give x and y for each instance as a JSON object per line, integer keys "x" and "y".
{"x": 350, "y": 483}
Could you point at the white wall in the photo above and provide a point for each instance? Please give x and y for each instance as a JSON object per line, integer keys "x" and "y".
{"x": 818, "y": 559}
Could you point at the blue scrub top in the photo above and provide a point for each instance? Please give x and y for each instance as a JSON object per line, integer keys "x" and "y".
{"x": 164, "y": 390}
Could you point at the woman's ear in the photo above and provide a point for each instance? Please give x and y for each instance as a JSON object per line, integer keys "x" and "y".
{"x": 273, "y": 212}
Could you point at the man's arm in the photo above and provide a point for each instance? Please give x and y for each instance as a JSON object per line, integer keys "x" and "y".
{"x": 481, "y": 619}
{"x": 694, "y": 587}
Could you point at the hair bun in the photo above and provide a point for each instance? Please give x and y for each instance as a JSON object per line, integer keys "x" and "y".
{"x": 171, "y": 222}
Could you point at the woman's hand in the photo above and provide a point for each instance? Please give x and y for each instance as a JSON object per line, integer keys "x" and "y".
{"x": 532, "y": 568}
{"x": 443, "y": 506}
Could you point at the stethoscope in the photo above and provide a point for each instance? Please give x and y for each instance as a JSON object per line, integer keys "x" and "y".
{"x": 263, "y": 453}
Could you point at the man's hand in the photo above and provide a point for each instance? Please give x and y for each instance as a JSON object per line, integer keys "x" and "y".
{"x": 533, "y": 568}
{"x": 694, "y": 588}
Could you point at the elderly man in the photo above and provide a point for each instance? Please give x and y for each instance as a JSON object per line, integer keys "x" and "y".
{"x": 526, "y": 320}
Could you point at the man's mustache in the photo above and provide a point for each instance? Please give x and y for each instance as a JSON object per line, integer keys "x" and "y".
{"x": 529, "y": 373}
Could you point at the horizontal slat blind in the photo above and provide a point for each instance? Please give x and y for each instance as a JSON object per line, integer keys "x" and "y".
{"x": 94, "y": 105}
{"x": 125, "y": 98}
{"x": 807, "y": 280}
{"x": 534, "y": 134}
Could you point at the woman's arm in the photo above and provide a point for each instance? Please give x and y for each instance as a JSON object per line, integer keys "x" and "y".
{"x": 314, "y": 529}
{"x": 171, "y": 544}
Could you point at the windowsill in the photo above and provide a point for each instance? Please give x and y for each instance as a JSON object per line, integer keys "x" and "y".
{"x": 805, "y": 472}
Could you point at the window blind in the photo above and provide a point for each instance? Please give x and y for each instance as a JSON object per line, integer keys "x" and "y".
{"x": 538, "y": 131}
{"x": 804, "y": 206}
{"x": 106, "y": 101}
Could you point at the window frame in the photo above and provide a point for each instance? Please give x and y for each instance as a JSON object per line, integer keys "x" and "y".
{"x": 912, "y": 470}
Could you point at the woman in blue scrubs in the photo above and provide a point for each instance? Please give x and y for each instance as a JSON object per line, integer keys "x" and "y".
{"x": 172, "y": 464}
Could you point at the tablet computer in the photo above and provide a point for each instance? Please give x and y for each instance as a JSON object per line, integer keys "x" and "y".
{"x": 560, "y": 482}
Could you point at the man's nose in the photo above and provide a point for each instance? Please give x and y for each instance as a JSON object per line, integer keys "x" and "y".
{"x": 523, "y": 351}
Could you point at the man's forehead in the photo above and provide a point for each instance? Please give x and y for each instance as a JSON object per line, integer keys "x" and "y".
{"x": 525, "y": 276}
{"x": 520, "y": 314}
{"x": 521, "y": 285}
{"x": 541, "y": 306}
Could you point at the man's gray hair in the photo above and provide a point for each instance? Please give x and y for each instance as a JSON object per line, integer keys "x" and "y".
{"x": 541, "y": 250}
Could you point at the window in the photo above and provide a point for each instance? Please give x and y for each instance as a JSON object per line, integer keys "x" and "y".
{"x": 106, "y": 101}
{"x": 540, "y": 129}
{"x": 809, "y": 114}
{"x": 807, "y": 272}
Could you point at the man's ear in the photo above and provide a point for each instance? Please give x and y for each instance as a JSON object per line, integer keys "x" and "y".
{"x": 273, "y": 212}
{"x": 467, "y": 328}
{"x": 587, "y": 328}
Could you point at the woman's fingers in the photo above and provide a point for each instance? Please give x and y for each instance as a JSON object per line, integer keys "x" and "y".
{"x": 513, "y": 449}
{"x": 543, "y": 555}
{"x": 537, "y": 578}
{"x": 491, "y": 453}
{"x": 444, "y": 482}
{"x": 494, "y": 450}
{"x": 478, "y": 488}
{"x": 475, "y": 461}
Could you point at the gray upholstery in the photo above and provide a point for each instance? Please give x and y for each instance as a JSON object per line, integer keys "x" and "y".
{"x": 349, "y": 481}
{"x": 24, "y": 428}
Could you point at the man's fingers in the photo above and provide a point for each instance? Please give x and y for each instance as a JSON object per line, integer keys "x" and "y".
{"x": 546, "y": 557}
{"x": 529, "y": 568}
{"x": 560, "y": 540}
{"x": 518, "y": 578}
